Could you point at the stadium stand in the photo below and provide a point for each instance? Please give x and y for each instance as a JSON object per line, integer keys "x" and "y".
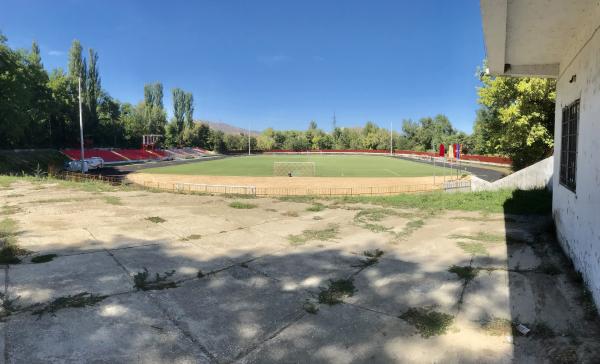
{"x": 108, "y": 155}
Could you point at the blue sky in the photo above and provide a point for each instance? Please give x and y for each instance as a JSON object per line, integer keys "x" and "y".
{"x": 273, "y": 63}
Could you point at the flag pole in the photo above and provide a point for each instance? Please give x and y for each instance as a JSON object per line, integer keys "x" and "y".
{"x": 81, "y": 126}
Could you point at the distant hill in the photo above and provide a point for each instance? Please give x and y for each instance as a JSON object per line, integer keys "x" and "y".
{"x": 228, "y": 128}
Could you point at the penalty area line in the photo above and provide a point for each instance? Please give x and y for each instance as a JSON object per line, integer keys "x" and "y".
{"x": 392, "y": 172}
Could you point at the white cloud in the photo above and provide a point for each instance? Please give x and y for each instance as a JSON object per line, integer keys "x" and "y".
{"x": 56, "y": 53}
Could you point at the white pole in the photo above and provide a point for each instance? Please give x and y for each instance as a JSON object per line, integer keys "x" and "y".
{"x": 81, "y": 126}
{"x": 391, "y": 140}
{"x": 249, "y": 138}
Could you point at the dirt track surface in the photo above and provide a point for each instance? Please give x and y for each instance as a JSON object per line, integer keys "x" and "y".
{"x": 295, "y": 183}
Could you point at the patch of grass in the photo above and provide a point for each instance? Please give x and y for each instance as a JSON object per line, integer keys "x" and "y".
{"x": 142, "y": 282}
{"x": 79, "y": 300}
{"x": 465, "y": 273}
{"x": 43, "y": 258}
{"x": 310, "y": 307}
{"x": 428, "y": 321}
{"x": 156, "y": 219}
{"x": 473, "y": 248}
{"x": 337, "y": 291}
{"x": 480, "y": 236}
{"x": 372, "y": 258}
{"x": 239, "y": 196}
{"x": 10, "y": 210}
{"x": 367, "y": 217}
{"x": 409, "y": 228}
{"x": 271, "y": 210}
{"x": 317, "y": 218}
{"x": 191, "y": 237}
{"x": 316, "y": 207}
{"x": 113, "y": 200}
{"x": 8, "y": 304}
{"x": 290, "y": 214}
{"x": 502, "y": 201}
{"x": 328, "y": 233}
{"x": 9, "y": 250}
{"x": 496, "y": 326}
{"x": 14, "y": 195}
{"x": 542, "y": 330}
{"x": 242, "y": 205}
{"x": 60, "y": 200}
{"x": 304, "y": 199}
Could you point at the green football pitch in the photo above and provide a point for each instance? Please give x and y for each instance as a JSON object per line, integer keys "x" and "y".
{"x": 325, "y": 165}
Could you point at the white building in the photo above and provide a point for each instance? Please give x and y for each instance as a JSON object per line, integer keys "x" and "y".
{"x": 560, "y": 39}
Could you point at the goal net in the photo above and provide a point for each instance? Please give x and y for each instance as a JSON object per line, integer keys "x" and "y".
{"x": 296, "y": 169}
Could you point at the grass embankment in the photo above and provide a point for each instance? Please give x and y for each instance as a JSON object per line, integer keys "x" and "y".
{"x": 503, "y": 201}
{"x": 27, "y": 162}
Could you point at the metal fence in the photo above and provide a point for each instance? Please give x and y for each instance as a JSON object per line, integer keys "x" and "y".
{"x": 80, "y": 177}
{"x": 306, "y": 191}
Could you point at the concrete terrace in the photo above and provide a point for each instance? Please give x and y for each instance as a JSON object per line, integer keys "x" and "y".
{"x": 270, "y": 281}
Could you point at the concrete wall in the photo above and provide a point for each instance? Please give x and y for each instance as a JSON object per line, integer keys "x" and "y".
{"x": 538, "y": 175}
{"x": 577, "y": 214}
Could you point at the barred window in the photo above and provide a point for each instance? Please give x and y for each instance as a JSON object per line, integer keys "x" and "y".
{"x": 568, "y": 146}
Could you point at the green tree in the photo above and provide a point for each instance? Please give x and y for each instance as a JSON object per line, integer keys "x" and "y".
{"x": 189, "y": 109}
{"x": 517, "y": 118}
{"x": 93, "y": 91}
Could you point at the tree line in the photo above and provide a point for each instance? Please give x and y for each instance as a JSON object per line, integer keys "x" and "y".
{"x": 41, "y": 109}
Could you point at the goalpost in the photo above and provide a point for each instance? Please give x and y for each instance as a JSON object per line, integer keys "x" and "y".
{"x": 295, "y": 169}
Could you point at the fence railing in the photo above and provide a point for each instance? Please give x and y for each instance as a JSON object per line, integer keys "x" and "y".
{"x": 304, "y": 191}
{"x": 79, "y": 177}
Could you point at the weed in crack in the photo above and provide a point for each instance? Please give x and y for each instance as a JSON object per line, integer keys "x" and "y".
{"x": 316, "y": 207}
{"x": 372, "y": 258}
{"x": 317, "y": 218}
{"x": 43, "y": 258}
{"x": 141, "y": 281}
{"x": 496, "y": 326}
{"x": 9, "y": 305}
{"x": 191, "y": 237}
{"x": 79, "y": 300}
{"x": 410, "y": 228}
{"x": 9, "y": 250}
{"x": 310, "y": 307}
{"x": 200, "y": 274}
{"x": 467, "y": 274}
{"x": 113, "y": 200}
{"x": 156, "y": 219}
{"x": 328, "y": 233}
{"x": 480, "y": 236}
{"x": 542, "y": 331}
{"x": 428, "y": 321}
{"x": 242, "y": 205}
{"x": 337, "y": 291}
{"x": 473, "y": 248}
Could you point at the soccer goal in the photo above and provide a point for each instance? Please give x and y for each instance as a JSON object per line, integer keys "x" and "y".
{"x": 294, "y": 169}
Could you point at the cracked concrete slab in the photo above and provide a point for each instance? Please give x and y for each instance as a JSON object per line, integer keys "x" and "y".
{"x": 306, "y": 267}
{"x": 393, "y": 286}
{"x": 121, "y": 329}
{"x": 185, "y": 258}
{"x": 348, "y": 334}
{"x": 66, "y": 275}
{"x": 232, "y": 311}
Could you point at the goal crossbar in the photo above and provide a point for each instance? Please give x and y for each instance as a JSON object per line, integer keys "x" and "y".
{"x": 295, "y": 169}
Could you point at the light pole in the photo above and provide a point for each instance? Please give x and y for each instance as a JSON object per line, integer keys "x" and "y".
{"x": 391, "y": 140}
{"x": 81, "y": 126}
{"x": 249, "y": 138}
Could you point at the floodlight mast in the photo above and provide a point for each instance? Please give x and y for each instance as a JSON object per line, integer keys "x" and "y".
{"x": 81, "y": 127}
{"x": 391, "y": 140}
